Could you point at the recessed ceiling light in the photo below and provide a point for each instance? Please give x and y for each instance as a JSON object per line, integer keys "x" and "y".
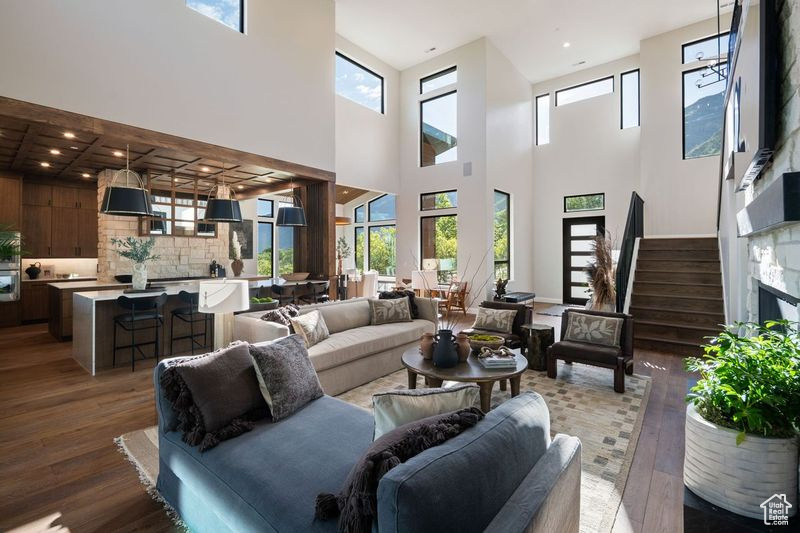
{"x": 566, "y": 45}
{"x": 240, "y": 186}
{"x": 117, "y": 153}
{"x": 205, "y": 169}
{"x": 55, "y": 152}
{"x": 45, "y": 164}
{"x": 431, "y": 49}
{"x": 69, "y": 135}
{"x": 86, "y": 175}
{"x": 73, "y": 147}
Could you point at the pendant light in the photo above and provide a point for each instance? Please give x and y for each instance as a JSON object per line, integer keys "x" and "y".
{"x": 294, "y": 215}
{"x": 130, "y": 199}
{"x": 224, "y": 207}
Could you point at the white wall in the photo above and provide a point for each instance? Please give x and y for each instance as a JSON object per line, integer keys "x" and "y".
{"x": 680, "y": 195}
{"x": 367, "y": 142}
{"x": 473, "y": 228}
{"x": 160, "y": 65}
{"x": 509, "y": 130}
{"x": 588, "y": 153}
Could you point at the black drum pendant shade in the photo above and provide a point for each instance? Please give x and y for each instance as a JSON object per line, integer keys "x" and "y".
{"x": 128, "y": 200}
{"x": 223, "y": 210}
{"x": 291, "y": 216}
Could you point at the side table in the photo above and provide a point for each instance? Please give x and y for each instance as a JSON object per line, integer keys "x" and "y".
{"x": 540, "y": 337}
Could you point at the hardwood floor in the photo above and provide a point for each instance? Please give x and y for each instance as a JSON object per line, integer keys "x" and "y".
{"x": 61, "y": 470}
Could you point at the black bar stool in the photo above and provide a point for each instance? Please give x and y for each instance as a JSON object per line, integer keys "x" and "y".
{"x": 316, "y": 292}
{"x": 143, "y": 313}
{"x": 285, "y": 293}
{"x": 189, "y": 314}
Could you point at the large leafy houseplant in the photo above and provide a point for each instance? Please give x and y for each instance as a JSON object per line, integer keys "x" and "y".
{"x": 10, "y": 244}
{"x": 139, "y": 251}
{"x": 750, "y": 380}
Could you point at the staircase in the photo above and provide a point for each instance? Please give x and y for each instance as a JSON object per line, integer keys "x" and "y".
{"x": 677, "y": 294}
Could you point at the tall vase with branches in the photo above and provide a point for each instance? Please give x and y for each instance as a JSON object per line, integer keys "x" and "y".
{"x": 601, "y": 276}
{"x": 342, "y": 252}
{"x": 139, "y": 252}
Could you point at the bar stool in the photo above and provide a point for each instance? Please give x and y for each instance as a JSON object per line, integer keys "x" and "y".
{"x": 143, "y": 313}
{"x": 189, "y": 314}
{"x": 285, "y": 293}
{"x": 316, "y": 292}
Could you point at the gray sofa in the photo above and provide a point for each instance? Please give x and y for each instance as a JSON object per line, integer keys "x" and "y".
{"x": 356, "y": 352}
{"x": 505, "y": 474}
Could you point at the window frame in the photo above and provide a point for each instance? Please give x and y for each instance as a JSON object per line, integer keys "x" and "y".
{"x": 368, "y": 239}
{"x": 700, "y": 40}
{"x": 684, "y": 72}
{"x": 422, "y": 240}
{"x": 601, "y": 194}
{"x": 370, "y": 71}
{"x": 368, "y": 211}
{"x": 536, "y": 125}
{"x": 422, "y": 103}
{"x": 271, "y": 222}
{"x": 434, "y": 193}
{"x": 355, "y": 247}
{"x": 590, "y": 82}
{"x": 508, "y": 233}
{"x": 240, "y": 29}
{"x": 435, "y": 75}
{"x": 638, "y": 98}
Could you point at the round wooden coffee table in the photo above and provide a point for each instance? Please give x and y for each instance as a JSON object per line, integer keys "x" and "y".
{"x": 470, "y": 371}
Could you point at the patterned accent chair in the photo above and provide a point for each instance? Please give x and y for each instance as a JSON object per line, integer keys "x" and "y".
{"x": 620, "y": 359}
{"x": 518, "y": 336}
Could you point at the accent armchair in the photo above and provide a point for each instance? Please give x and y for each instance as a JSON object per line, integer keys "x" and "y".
{"x": 518, "y": 336}
{"x": 620, "y": 359}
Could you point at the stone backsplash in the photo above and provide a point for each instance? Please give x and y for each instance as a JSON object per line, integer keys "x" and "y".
{"x": 179, "y": 256}
{"x": 774, "y": 257}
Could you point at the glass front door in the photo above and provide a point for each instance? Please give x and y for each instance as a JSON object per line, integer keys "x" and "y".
{"x": 578, "y": 235}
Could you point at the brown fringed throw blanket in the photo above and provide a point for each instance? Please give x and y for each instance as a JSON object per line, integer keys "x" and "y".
{"x": 356, "y": 505}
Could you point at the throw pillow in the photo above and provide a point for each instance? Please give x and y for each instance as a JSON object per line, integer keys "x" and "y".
{"x": 500, "y": 320}
{"x": 285, "y": 374}
{"x": 282, "y": 315}
{"x": 389, "y": 311}
{"x": 215, "y": 396}
{"x": 311, "y": 327}
{"x": 397, "y": 294}
{"x": 593, "y": 329}
{"x": 357, "y": 504}
{"x": 396, "y": 408}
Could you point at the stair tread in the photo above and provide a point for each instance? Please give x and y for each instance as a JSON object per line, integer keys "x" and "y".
{"x": 664, "y": 340}
{"x": 708, "y": 298}
{"x": 678, "y": 259}
{"x": 673, "y": 272}
{"x": 676, "y": 325}
{"x": 686, "y": 283}
{"x": 693, "y": 311}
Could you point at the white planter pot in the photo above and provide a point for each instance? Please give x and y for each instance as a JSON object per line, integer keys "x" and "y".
{"x": 139, "y": 280}
{"x": 738, "y": 478}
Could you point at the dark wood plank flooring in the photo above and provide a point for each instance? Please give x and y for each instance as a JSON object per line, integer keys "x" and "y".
{"x": 61, "y": 470}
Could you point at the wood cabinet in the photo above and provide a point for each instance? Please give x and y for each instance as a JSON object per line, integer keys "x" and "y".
{"x": 59, "y": 221}
{"x": 36, "y": 230}
{"x": 35, "y": 301}
{"x": 10, "y": 193}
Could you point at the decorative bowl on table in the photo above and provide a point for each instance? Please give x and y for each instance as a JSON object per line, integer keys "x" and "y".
{"x": 296, "y": 276}
{"x": 262, "y": 304}
{"x": 493, "y": 342}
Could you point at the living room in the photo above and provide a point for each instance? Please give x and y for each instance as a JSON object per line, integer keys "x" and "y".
{"x": 236, "y": 227}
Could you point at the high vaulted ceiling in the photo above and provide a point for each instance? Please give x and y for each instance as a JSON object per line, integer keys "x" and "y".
{"x": 531, "y": 33}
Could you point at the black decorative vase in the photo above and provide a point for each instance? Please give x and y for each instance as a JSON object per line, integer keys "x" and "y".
{"x": 445, "y": 354}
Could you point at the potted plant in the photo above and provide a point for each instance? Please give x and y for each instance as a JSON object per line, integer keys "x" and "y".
{"x": 602, "y": 286}
{"x": 139, "y": 251}
{"x": 10, "y": 244}
{"x": 237, "y": 265}
{"x": 342, "y": 252}
{"x": 743, "y": 418}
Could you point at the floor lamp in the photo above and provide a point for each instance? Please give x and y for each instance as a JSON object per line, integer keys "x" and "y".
{"x": 223, "y": 298}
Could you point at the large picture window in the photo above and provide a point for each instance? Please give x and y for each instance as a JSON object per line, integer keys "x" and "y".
{"x": 265, "y": 256}
{"x": 502, "y": 235}
{"x": 585, "y": 202}
{"x": 382, "y": 208}
{"x": 437, "y": 81}
{"x": 702, "y": 114}
{"x": 705, "y": 49}
{"x": 439, "y": 239}
{"x": 285, "y": 246}
{"x": 438, "y": 129}
{"x": 359, "y": 84}
{"x": 382, "y": 249}
{"x": 375, "y": 235}
{"x": 438, "y": 200}
{"x": 359, "y": 247}
{"x": 228, "y": 12}
{"x": 584, "y": 91}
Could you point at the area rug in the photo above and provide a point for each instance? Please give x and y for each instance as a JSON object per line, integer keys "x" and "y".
{"x": 557, "y": 310}
{"x": 582, "y": 403}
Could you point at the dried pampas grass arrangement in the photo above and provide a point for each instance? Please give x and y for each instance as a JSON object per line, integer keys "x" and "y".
{"x": 601, "y": 274}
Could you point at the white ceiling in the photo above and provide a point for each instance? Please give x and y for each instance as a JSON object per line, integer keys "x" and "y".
{"x": 531, "y": 33}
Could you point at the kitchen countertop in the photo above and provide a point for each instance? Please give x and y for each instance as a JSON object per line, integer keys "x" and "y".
{"x": 52, "y": 279}
{"x": 93, "y": 283}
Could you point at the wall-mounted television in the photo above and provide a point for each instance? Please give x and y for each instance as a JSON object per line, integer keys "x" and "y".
{"x": 752, "y": 92}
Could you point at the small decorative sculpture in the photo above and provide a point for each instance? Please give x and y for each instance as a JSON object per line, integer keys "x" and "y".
{"x": 500, "y": 288}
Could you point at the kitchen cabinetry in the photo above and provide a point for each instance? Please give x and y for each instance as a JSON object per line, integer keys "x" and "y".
{"x": 35, "y": 301}
{"x": 59, "y": 221}
{"x": 10, "y": 193}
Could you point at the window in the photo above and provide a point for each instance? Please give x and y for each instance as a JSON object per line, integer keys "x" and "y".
{"x": 264, "y": 208}
{"x": 265, "y": 257}
{"x": 438, "y": 200}
{"x": 705, "y": 49}
{"x": 382, "y": 249}
{"x": 178, "y": 208}
{"x": 358, "y": 214}
{"x": 358, "y": 83}
{"x": 359, "y": 247}
{"x": 585, "y": 202}
{"x": 543, "y": 119}
{"x": 439, "y": 239}
{"x": 703, "y": 100}
{"x": 228, "y": 12}
{"x": 438, "y": 129}
{"x": 382, "y": 208}
{"x": 502, "y": 235}
{"x": 437, "y": 81}
{"x": 584, "y": 91}
{"x": 285, "y": 246}
{"x": 629, "y": 99}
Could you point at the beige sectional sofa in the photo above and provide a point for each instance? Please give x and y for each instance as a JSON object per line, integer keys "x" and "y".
{"x": 356, "y": 352}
